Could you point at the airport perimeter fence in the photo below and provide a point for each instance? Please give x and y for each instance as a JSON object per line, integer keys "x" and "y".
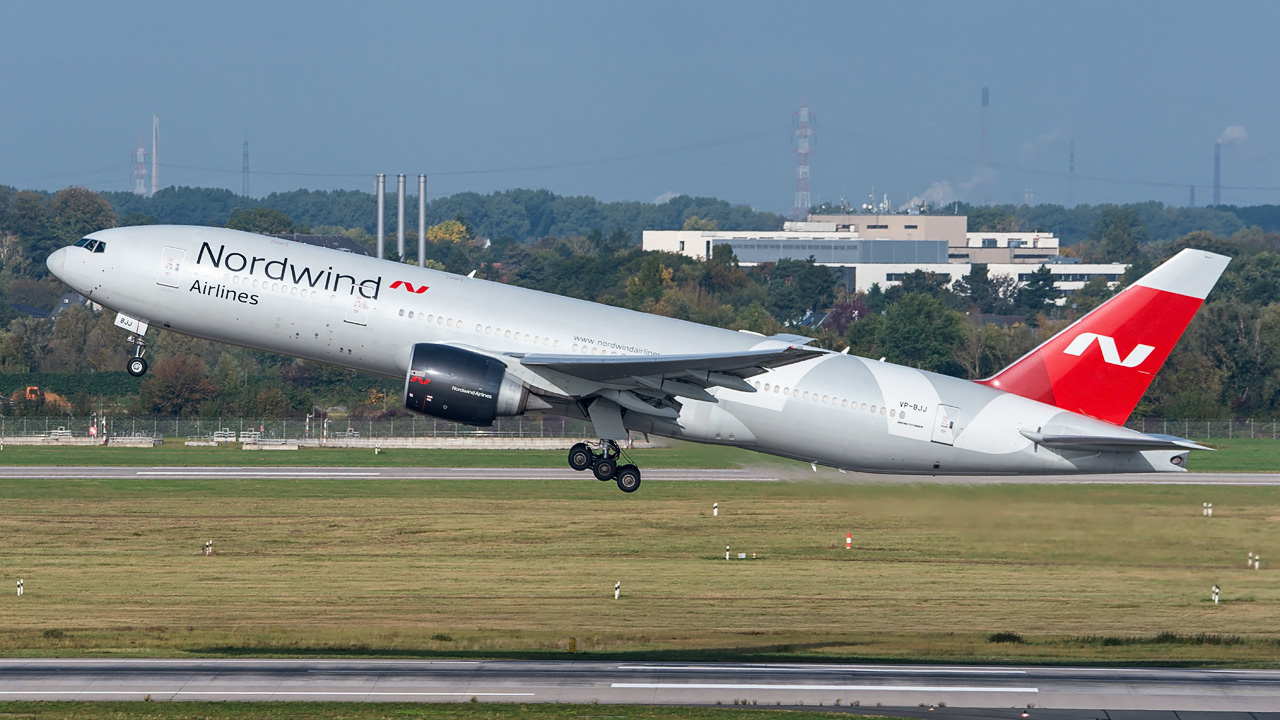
{"x": 1208, "y": 429}
{"x": 423, "y": 427}
{"x": 297, "y": 429}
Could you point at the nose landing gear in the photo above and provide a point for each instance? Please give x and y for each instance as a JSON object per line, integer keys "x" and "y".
{"x": 137, "y": 365}
{"x": 604, "y": 464}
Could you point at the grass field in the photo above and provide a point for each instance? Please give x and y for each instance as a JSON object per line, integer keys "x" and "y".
{"x": 390, "y": 711}
{"x": 1239, "y": 455}
{"x": 517, "y": 568}
{"x": 175, "y": 454}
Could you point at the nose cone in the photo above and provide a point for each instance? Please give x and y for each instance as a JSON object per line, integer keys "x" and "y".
{"x": 56, "y": 262}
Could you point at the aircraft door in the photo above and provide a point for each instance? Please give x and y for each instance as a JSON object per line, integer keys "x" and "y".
{"x": 171, "y": 260}
{"x": 944, "y": 424}
{"x": 358, "y": 311}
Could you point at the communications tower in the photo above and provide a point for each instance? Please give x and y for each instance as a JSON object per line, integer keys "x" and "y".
{"x": 802, "y": 140}
{"x": 140, "y": 169}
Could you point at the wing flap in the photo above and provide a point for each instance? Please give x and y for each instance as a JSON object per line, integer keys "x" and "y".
{"x": 704, "y": 368}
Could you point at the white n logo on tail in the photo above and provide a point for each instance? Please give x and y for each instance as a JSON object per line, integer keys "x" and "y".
{"x": 1109, "y": 352}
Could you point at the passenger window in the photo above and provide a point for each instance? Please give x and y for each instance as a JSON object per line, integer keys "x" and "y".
{"x": 100, "y": 247}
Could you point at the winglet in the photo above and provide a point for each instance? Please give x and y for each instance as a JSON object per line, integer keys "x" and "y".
{"x": 1102, "y": 364}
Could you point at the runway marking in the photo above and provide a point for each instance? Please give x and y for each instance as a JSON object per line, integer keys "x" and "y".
{"x": 197, "y": 473}
{"x": 904, "y": 688}
{"x": 828, "y": 668}
{"x": 264, "y": 693}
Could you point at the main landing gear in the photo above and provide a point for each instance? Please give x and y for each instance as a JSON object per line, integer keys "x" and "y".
{"x": 604, "y": 464}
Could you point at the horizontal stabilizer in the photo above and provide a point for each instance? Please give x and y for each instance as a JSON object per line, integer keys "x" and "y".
{"x": 1111, "y": 443}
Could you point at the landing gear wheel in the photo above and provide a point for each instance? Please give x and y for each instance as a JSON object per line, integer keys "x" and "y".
{"x": 628, "y": 478}
{"x": 604, "y": 468}
{"x": 580, "y": 457}
{"x": 137, "y": 367}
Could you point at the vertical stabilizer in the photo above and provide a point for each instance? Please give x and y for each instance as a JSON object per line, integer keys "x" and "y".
{"x": 1102, "y": 364}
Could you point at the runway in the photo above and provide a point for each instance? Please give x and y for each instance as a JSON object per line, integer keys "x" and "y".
{"x": 756, "y": 474}
{"x": 963, "y": 689}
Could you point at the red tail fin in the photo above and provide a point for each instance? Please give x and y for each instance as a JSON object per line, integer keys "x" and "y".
{"x": 1102, "y": 364}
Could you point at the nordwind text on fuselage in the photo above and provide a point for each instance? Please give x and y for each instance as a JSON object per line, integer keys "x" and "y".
{"x": 281, "y": 270}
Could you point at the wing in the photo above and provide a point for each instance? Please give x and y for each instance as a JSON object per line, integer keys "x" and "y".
{"x": 607, "y": 385}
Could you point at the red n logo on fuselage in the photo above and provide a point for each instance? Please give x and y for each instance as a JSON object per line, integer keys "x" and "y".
{"x": 409, "y": 287}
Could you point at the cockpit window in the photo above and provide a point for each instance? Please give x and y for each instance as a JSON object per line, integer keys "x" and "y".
{"x": 90, "y": 245}
{"x": 101, "y": 247}
{"x": 82, "y": 242}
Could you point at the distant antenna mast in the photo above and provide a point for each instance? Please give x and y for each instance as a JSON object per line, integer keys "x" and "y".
{"x": 1217, "y": 173}
{"x": 244, "y": 172}
{"x": 155, "y": 153}
{"x": 140, "y": 169}
{"x": 802, "y": 139}
{"x": 986, "y": 143}
{"x": 1071, "y": 176}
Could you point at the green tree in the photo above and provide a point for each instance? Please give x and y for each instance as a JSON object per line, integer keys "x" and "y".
{"x": 77, "y": 212}
{"x": 1092, "y": 294}
{"x": 693, "y": 222}
{"x": 796, "y": 287}
{"x": 262, "y": 220}
{"x": 988, "y": 294}
{"x": 922, "y": 332}
{"x": 921, "y": 281}
{"x": 136, "y": 218}
{"x": 1117, "y": 235}
{"x": 1038, "y": 291}
{"x": 177, "y": 386}
{"x": 864, "y": 336}
{"x": 449, "y": 231}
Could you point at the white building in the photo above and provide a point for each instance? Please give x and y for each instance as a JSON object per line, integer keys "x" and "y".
{"x": 880, "y": 250}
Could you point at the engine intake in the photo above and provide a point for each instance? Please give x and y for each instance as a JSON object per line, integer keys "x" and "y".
{"x": 461, "y": 386}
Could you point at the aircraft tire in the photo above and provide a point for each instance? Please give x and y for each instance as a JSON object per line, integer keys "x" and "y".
{"x": 136, "y": 367}
{"x": 628, "y": 478}
{"x": 604, "y": 468}
{"x": 580, "y": 457}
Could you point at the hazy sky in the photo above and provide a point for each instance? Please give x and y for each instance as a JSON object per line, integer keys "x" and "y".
{"x": 628, "y": 101}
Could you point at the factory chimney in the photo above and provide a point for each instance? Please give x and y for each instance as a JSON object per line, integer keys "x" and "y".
{"x": 400, "y": 217}
{"x": 422, "y": 221}
{"x": 1217, "y": 173}
{"x": 380, "y": 189}
{"x": 155, "y": 153}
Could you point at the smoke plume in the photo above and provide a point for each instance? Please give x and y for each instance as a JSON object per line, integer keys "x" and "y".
{"x": 1233, "y": 134}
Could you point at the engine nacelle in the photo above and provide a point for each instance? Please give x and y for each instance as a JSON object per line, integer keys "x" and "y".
{"x": 461, "y": 386}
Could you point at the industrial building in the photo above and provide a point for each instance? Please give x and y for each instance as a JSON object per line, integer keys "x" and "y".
{"x": 881, "y": 249}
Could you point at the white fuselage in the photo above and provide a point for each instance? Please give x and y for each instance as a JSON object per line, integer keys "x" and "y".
{"x": 335, "y": 307}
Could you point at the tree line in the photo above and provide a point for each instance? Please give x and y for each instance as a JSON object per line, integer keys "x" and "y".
{"x": 1228, "y": 365}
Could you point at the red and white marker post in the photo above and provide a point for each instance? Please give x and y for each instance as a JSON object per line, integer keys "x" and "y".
{"x": 848, "y": 541}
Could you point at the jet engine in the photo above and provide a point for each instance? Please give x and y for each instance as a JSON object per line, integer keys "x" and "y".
{"x": 461, "y": 386}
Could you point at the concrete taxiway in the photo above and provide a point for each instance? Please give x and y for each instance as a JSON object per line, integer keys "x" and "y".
{"x": 759, "y": 474}
{"x": 1086, "y": 692}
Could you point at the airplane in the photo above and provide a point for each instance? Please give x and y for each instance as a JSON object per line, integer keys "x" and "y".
{"x": 470, "y": 351}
